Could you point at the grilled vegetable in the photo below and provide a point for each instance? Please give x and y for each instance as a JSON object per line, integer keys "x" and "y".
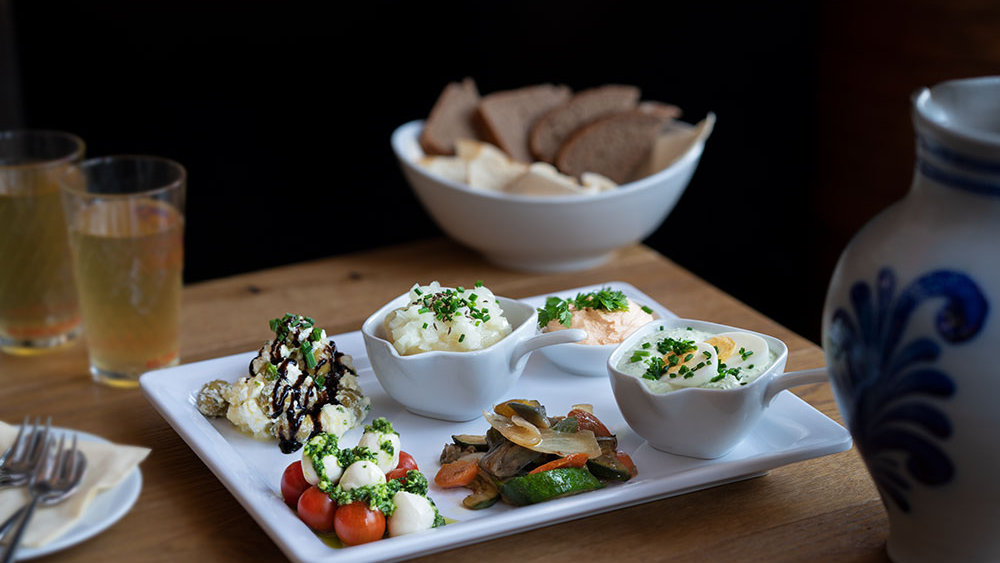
{"x": 471, "y": 441}
{"x": 484, "y": 493}
{"x": 547, "y": 485}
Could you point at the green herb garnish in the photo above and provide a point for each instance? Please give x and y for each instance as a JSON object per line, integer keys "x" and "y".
{"x": 555, "y": 310}
{"x": 638, "y": 356}
{"x": 270, "y": 371}
{"x": 647, "y": 310}
{"x": 308, "y": 354}
{"x": 655, "y": 368}
{"x": 678, "y": 347}
{"x": 604, "y": 299}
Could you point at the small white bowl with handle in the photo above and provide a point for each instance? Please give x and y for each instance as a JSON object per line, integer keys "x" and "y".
{"x": 700, "y": 422}
{"x": 457, "y": 386}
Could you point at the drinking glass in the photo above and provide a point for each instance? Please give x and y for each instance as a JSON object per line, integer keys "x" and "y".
{"x": 38, "y": 305}
{"x": 125, "y": 217}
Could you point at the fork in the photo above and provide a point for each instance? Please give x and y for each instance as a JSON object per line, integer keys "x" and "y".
{"x": 48, "y": 500}
{"x": 57, "y": 475}
{"x": 21, "y": 458}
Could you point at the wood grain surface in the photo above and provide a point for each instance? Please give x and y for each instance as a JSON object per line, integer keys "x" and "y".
{"x": 822, "y": 509}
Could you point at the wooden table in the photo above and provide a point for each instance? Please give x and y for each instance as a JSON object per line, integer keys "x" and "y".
{"x": 822, "y": 509}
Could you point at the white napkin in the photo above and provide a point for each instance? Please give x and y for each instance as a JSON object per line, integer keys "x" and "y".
{"x": 107, "y": 465}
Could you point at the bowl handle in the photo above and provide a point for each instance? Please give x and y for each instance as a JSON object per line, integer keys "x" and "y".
{"x": 792, "y": 378}
{"x": 547, "y": 339}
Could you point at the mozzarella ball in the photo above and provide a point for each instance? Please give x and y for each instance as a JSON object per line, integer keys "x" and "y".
{"x": 331, "y": 469}
{"x": 414, "y": 513}
{"x": 361, "y": 473}
{"x": 384, "y": 446}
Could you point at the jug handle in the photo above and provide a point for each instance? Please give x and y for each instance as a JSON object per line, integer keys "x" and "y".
{"x": 546, "y": 339}
{"x": 791, "y": 379}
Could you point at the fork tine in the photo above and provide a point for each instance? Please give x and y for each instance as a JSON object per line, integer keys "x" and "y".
{"x": 15, "y": 448}
{"x": 68, "y": 465}
{"x": 40, "y": 439}
{"x": 43, "y": 467}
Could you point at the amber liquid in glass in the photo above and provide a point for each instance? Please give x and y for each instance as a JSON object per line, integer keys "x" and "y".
{"x": 129, "y": 257}
{"x": 37, "y": 298}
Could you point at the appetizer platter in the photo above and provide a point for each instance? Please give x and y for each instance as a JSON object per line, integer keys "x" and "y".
{"x": 254, "y": 470}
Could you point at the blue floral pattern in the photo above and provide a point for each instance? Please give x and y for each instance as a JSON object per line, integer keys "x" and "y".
{"x": 890, "y": 390}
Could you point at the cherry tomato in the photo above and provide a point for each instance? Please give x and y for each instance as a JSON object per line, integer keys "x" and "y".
{"x": 406, "y": 461}
{"x": 356, "y": 524}
{"x": 399, "y": 473}
{"x": 293, "y": 483}
{"x": 317, "y": 509}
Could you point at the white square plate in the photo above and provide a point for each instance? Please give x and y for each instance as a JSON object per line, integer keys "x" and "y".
{"x": 790, "y": 431}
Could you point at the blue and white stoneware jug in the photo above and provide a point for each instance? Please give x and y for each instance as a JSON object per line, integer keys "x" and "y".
{"x": 911, "y": 331}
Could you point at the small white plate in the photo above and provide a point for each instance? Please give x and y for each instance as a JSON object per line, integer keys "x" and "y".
{"x": 790, "y": 431}
{"x": 104, "y": 510}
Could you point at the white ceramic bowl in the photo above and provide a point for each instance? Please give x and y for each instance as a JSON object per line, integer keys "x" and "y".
{"x": 700, "y": 422}
{"x": 588, "y": 360}
{"x": 544, "y": 233}
{"x": 457, "y": 386}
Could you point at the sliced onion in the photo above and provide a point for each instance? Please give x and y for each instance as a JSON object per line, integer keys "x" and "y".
{"x": 566, "y": 443}
{"x": 544, "y": 440}
{"x": 524, "y": 434}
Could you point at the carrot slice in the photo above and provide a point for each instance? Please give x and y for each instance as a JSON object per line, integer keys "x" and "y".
{"x": 627, "y": 461}
{"x": 457, "y": 473}
{"x": 572, "y": 460}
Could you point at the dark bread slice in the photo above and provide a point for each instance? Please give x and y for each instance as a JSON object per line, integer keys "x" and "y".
{"x": 614, "y": 146}
{"x": 453, "y": 117}
{"x": 553, "y": 128}
{"x": 509, "y": 115}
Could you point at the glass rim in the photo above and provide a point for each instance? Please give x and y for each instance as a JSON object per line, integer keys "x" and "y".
{"x": 77, "y": 152}
{"x": 177, "y": 183}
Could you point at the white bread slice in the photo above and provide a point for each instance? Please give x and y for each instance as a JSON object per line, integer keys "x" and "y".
{"x": 450, "y": 167}
{"x": 543, "y": 179}
{"x": 596, "y": 182}
{"x": 488, "y": 167}
{"x": 674, "y": 143}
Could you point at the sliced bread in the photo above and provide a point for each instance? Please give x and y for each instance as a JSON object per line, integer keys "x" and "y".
{"x": 453, "y": 117}
{"x": 509, "y": 115}
{"x": 552, "y": 129}
{"x": 614, "y": 146}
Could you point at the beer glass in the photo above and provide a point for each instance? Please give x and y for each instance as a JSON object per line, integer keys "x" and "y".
{"x": 38, "y": 305}
{"x": 125, "y": 217}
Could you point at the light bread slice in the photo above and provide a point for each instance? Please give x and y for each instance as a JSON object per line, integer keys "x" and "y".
{"x": 597, "y": 183}
{"x": 509, "y": 115}
{"x": 450, "y": 167}
{"x": 552, "y": 129}
{"x": 614, "y": 146}
{"x": 674, "y": 143}
{"x": 453, "y": 117}
{"x": 543, "y": 179}
{"x": 488, "y": 167}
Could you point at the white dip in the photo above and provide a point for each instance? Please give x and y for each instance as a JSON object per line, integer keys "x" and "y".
{"x": 457, "y": 320}
{"x": 680, "y": 357}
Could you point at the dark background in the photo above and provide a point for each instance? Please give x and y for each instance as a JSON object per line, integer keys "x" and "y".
{"x": 282, "y": 112}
